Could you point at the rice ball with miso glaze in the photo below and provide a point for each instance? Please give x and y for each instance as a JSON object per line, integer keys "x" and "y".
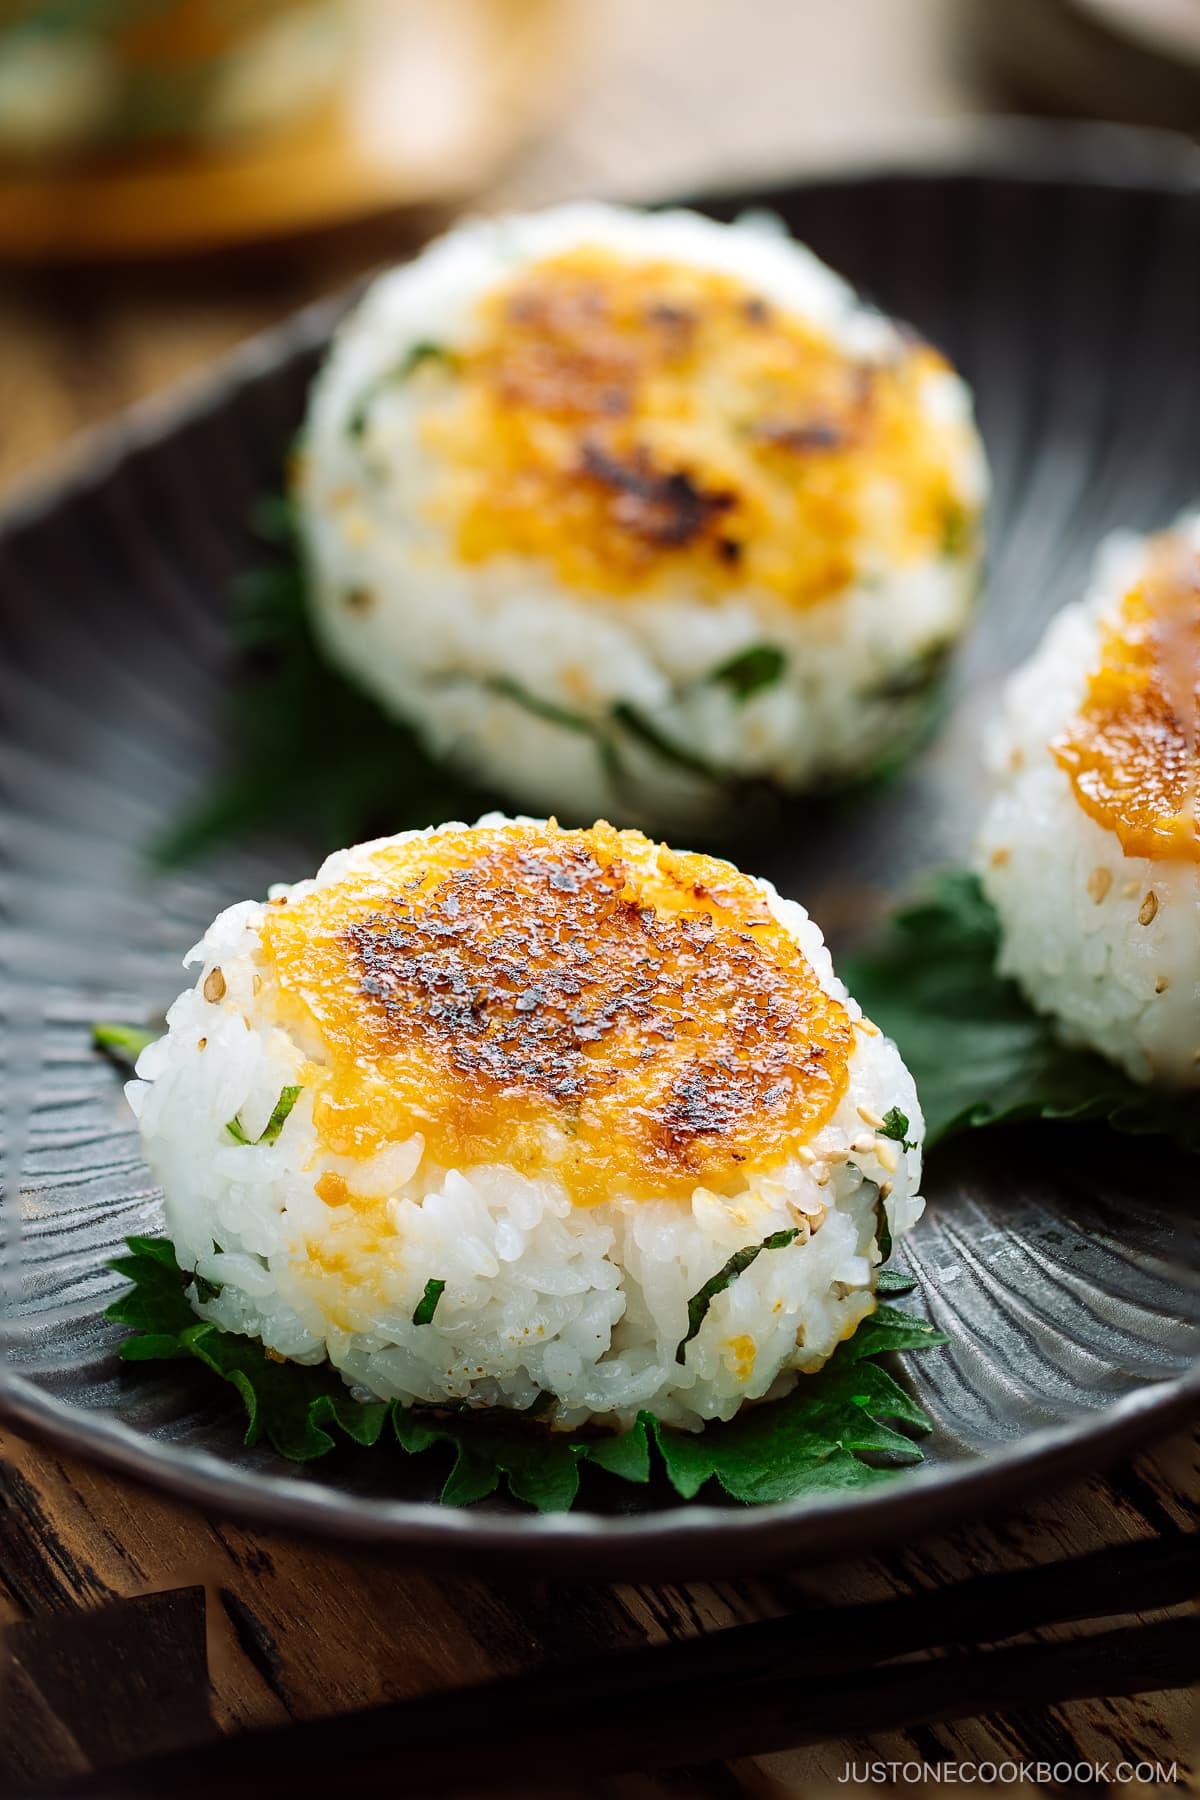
{"x": 1089, "y": 851}
{"x": 509, "y": 1114}
{"x": 627, "y": 511}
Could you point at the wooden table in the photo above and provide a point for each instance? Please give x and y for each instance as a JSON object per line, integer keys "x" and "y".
{"x": 297, "y": 1630}
{"x": 673, "y": 93}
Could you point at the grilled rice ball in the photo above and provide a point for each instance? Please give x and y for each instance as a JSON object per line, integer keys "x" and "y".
{"x": 629, "y": 513}
{"x": 1090, "y": 850}
{"x": 504, "y": 1115}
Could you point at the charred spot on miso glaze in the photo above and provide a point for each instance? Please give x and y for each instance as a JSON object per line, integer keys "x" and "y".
{"x": 677, "y": 322}
{"x": 515, "y": 969}
{"x": 842, "y": 422}
{"x": 810, "y": 434}
{"x": 668, "y": 509}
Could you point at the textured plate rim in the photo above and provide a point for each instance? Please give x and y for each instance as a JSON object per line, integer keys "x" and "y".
{"x": 682, "y": 1538}
{"x": 686, "y": 1536}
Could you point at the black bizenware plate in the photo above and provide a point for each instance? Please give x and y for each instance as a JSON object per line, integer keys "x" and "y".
{"x": 1062, "y": 276}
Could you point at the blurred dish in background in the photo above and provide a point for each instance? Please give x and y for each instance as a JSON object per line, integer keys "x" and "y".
{"x": 80, "y": 76}
{"x": 1169, "y": 26}
{"x": 147, "y": 127}
{"x": 1136, "y": 60}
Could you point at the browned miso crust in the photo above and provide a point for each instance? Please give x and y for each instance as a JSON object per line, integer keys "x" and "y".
{"x": 621, "y": 419}
{"x": 632, "y": 1017}
{"x": 1131, "y": 751}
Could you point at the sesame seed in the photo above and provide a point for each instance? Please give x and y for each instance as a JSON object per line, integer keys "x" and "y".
{"x": 885, "y": 1188}
{"x": 214, "y": 986}
{"x": 203, "y": 1044}
{"x": 820, "y": 1174}
{"x": 1148, "y": 909}
{"x": 1161, "y": 984}
{"x": 1129, "y": 890}
{"x": 869, "y": 1118}
{"x": 863, "y": 1145}
{"x": 805, "y": 1155}
{"x": 1099, "y": 882}
{"x": 887, "y": 1155}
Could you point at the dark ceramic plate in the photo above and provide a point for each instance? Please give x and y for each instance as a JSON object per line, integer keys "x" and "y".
{"x": 1062, "y": 279}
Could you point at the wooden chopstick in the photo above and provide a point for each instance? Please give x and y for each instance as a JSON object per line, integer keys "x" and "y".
{"x": 1138, "y": 1577}
{"x": 744, "y": 1690}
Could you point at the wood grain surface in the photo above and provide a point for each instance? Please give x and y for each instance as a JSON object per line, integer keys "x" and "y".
{"x": 230, "y": 1627}
{"x": 431, "y": 94}
{"x": 297, "y": 1630}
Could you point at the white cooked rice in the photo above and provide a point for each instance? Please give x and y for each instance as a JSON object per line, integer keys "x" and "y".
{"x": 439, "y": 634}
{"x": 586, "y": 1304}
{"x": 1107, "y": 943}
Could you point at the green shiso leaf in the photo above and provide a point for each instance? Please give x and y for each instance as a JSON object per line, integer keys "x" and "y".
{"x": 156, "y": 1304}
{"x": 780, "y": 1451}
{"x": 423, "y": 352}
{"x": 307, "y": 750}
{"x": 283, "y": 1106}
{"x": 813, "y": 1440}
{"x": 625, "y": 1453}
{"x": 978, "y": 1052}
{"x": 541, "y": 709}
{"x": 883, "y": 1230}
{"x": 716, "y": 1284}
{"x": 889, "y": 1329}
{"x": 288, "y": 1403}
{"x": 606, "y": 733}
{"x": 649, "y": 735}
{"x": 921, "y": 676}
{"x": 895, "y": 1126}
{"x": 124, "y": 1043}
{"x": 541, "y": 1467}
{"x": 274, "y": 1125}
{"x": 273, "y": 519}
{"x": 428, "y": 1303}
{"x": 751, "y": 670}
{"x": 957, "y": 529}
{"x": 893, "y": 1281}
